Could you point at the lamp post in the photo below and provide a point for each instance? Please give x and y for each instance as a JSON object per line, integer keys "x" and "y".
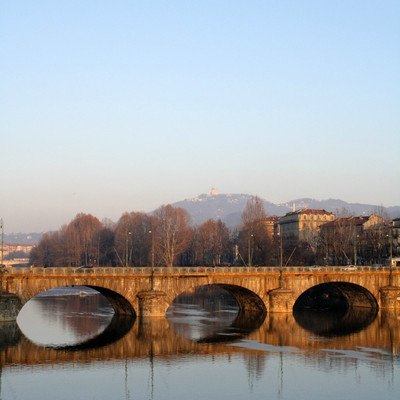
{"x": 355, "y": 250}
{"x": 2, "y": 241}
{"x": 250, "y": 248}
{"x": 391, "y": 258}
{"x": 152, "y": 260}
{"x": 126, "y": 249}
{"x": 281, "y": 267}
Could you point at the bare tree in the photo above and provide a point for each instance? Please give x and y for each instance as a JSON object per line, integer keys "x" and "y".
{"x": 48, "y": 252}
{"x": 172, "y": 233}
{"x": 133, "y": 239}
{"x": 81, "y": 238}
{"x": 254, "y": 239}
{"x": 212, "y": 242}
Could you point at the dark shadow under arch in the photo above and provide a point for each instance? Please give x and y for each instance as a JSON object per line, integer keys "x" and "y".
{"x": 119, "y": 326}
{"x": 335, "y": 323}
{"x": 247, "y": 300}
{"x": 250, "y": 316}
{"x": 120, "y": 304}
{"x": 336, "y": 295}
{"x": 245, "y": 323}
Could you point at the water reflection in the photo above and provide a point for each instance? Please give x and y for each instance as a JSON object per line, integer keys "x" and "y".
{"x": 334, "y": 322}
{"x": 193, "y": 322}
{"x": 280, "y": 356}
{"x": 209, "y": 314}
{"x": 119, "y": 326}
{"x": 155, "y": 337}
{"x": 65, "y": 316}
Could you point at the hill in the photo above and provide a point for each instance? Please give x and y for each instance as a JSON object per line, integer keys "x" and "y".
{"x": 229, "y": 207}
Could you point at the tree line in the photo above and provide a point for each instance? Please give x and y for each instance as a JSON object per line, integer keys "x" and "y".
{"x": 168, "y": 238}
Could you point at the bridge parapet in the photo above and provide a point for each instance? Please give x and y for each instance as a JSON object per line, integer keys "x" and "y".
{"x": 184, "y": 270}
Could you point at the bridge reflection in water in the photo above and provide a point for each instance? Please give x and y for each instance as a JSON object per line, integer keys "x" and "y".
{"x": 127, "y": 338}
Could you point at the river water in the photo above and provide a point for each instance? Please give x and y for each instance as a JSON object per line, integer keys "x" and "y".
{"x": 67, "y": 344}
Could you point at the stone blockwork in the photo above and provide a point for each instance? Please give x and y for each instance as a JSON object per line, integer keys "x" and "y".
{"x": 10, "y": 306}
{"x": 390, "y": 297}
{"x": 152, "y": 303}
{"x": 255, "y": 290}
{"x": 280, "y": 300}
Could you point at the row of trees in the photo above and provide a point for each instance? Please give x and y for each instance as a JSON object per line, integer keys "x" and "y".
{"x": 164, "y": 238}
{"x": 168, "y": 238}
{"x": 348, "y": 245}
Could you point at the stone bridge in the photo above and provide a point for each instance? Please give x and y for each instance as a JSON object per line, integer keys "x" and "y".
{"x": 149, "y": 292}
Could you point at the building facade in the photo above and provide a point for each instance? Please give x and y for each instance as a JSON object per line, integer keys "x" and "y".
{"x": 303, "y": 224}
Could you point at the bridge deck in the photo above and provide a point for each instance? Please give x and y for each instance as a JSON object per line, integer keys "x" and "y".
{"x": 185, "y": 270}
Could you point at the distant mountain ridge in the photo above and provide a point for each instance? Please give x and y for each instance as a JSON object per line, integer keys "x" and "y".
{"x": 229, "y": 207}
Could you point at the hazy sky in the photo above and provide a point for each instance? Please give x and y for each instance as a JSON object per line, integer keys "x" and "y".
{"x": 114, "y": 106}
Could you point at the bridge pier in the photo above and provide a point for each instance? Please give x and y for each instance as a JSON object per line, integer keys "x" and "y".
{"x": 10, "y": 306}
{"x": 390, "y": 297}
{"x": 152, "y": 303}
{"x": 281, "y": 300}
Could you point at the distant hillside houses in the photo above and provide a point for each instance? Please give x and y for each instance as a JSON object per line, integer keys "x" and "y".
{"x": 15, "y": 250}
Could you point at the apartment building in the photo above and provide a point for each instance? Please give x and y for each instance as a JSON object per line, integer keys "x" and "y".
{"x": 300, "y": 225}
{"x": 359, "y": 224}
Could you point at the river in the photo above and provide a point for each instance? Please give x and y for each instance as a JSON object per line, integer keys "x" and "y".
{"x": 67, "y": 344}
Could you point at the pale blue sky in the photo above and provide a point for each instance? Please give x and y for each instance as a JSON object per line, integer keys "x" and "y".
{"x": 114, "y": 106}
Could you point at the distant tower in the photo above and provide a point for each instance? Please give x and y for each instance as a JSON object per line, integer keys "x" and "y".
{"x": 294, "y": 207}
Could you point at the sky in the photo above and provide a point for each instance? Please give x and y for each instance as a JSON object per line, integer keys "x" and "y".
{"x": 109, "y": 107}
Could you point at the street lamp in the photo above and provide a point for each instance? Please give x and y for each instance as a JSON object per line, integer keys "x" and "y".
{"x": 126, "y": 249}
{"x": 250, "y": 248}
{"x": 281, "y": 267}
{"x": 152, "y": 260}
{"x": 391, "y": 258}
{"x": 2, "y": 241}
{"x": 355, "y": 249}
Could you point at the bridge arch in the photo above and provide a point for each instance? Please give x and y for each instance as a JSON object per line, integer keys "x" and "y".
{"x": 120, "y": 304}
{"x": 118, "y": 326}
{"x": 336, "y": 295}
{"x": 251, "y": 313}
{"x": 247, "y": 300}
